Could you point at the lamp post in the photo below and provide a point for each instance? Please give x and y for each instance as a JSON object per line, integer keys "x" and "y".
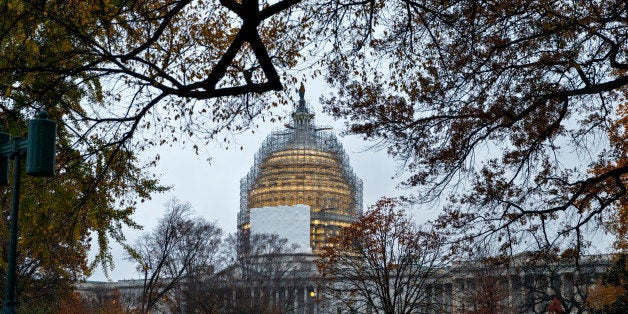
{"x": 39, "y": 149}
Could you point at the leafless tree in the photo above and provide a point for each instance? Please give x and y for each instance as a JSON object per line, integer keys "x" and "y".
{"x": 169, "y": 254}
{"x": 383, "y": 261}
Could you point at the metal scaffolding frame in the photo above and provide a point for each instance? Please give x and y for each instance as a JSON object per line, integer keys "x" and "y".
{"x": 303, "y": 164}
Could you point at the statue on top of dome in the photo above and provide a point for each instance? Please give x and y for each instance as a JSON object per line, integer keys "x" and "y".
{"x": 301, "y": 108}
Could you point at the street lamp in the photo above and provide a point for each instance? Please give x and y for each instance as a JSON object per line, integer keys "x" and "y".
{"x": 39, "y": 149}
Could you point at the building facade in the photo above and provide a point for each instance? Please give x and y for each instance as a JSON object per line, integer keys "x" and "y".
{"x": 528, "y": 284}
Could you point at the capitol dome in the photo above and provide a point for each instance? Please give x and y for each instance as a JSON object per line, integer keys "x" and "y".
{"x": 302, "y": 165}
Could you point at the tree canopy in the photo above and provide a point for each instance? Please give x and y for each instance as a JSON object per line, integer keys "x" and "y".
{"x": 165, "y": 66}
{"x": 609, "y": 294}
{"x": 511, "y": 111}
{"x": 120, "y": 76}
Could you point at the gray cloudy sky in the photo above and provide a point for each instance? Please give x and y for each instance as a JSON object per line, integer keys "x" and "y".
{"x": 213, "y": 189}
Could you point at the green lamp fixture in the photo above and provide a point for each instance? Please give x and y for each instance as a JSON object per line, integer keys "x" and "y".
{"x": 39, "y": 149}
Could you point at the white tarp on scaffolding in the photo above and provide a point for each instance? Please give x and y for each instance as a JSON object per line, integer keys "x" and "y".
{"x": 290, "y": 222}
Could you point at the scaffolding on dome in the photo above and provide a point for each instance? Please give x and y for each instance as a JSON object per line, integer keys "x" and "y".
{"x": 303, "y": 164}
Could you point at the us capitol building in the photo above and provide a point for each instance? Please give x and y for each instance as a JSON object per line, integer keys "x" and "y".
{"x": 302, "y": 188}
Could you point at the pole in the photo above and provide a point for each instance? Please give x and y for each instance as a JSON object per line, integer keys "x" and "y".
{"x": 9, "y": 292}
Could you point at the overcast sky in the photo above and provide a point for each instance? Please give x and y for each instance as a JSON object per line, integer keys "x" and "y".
{"x": 213, "y": 189}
